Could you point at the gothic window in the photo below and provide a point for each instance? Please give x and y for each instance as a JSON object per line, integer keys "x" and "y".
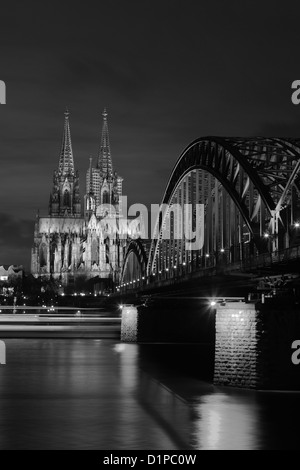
{"x": 66, "y": 198}
{"x": 43, "y": 255}
{"x": 90, "y": 204}
{"x": 53, "y": 247}
{"x": 70, "y": 254}
{"x": 105, "y": 197}
{"x": 94, "y": 251}
{"x": 107, "y": 250}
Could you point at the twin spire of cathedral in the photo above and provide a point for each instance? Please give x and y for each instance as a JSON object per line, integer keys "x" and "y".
{"x": 104, "y": 158}
{"x": 102, "y": 184}
{"x": 66, "y": 160}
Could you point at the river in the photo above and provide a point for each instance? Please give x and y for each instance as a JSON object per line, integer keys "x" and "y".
{"x": 103, "y": 394}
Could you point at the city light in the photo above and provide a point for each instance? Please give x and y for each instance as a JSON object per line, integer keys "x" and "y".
{"x": 121, "y": 306}
{"x": 213, "y": 303}
{"x": 266, "y": 235}
{"x": 222, "y": 250}
{"x": 297, "y": 224}
{"x": 207, "y": 255}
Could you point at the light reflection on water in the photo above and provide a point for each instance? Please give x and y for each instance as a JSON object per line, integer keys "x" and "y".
{"x": 93, "y": 394}
{"x": 226, "y": 422}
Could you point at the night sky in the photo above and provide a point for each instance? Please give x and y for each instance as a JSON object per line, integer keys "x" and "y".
{"x": 167, "y": 71}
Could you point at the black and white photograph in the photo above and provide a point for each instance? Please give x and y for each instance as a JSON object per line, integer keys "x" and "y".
{"x": 149, "y": 228}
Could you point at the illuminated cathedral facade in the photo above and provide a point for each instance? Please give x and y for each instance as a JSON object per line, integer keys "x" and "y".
{"x": 75, "y": 241}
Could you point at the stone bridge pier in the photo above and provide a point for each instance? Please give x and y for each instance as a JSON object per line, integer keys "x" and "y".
{"x": 253, "y": 342}
{"x": 253, "y": 347}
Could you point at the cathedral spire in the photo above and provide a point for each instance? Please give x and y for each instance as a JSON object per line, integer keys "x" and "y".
{"x": 91, "y": 175}
{"x": 66, "y": 161}
{"x": 104, "y": 157}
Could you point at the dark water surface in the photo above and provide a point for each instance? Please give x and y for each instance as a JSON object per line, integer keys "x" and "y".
{"x": 102, "y": 394}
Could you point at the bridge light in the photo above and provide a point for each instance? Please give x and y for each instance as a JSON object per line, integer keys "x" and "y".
{"x": 213, "y": 303}
{"x": 121, "y": 306}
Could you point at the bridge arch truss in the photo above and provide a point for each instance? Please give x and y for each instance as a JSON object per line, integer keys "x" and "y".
{"x": 249, "y": 190}
{"x": 134, "y": 266}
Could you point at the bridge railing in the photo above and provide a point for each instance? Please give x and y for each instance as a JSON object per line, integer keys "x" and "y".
{"x": 196, "y": 270}
{"x": 276, "y": 257}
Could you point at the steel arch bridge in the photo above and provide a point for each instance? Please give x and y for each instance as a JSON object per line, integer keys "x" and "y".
{"x": 135, "y": 265}
{"x": 248, "y": 189}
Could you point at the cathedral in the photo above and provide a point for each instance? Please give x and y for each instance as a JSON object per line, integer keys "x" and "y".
{"x": 75, "y": 242}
